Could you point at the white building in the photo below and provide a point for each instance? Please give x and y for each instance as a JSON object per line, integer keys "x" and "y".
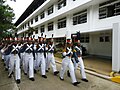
{"x": 97, "y": 20}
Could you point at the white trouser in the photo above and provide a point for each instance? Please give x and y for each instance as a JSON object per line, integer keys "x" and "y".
{"x": 28, "y": 64}
{"x": 2, "y": 56}
{"x": 51, "y": 59}
{"x": 7, "y": 60}
{"x": 22, "y": 58}
{"x": 15, "y": 62}
{"x": 81, "y": 65}
{"x": 41, "y": 62}
{"x": 35, "y": 62}
{"x": 68, "y": 63}
{"x": 46, "y": 61}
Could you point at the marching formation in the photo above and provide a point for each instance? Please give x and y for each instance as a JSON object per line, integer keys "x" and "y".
{"x": 31, "y": 55}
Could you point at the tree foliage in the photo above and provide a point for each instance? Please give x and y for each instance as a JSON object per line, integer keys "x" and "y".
{"x": 6, "y": 17}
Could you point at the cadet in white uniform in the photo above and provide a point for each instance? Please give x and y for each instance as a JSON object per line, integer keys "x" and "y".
{"x": 29, "y": 57}
{"x": 51, "y": 58}
{"x": 15, "y": 61}
{"x": 66, "y": 62}
{"x": 80, "y": 61}
{"x": 40, "y": 59}
{"x": 77, "y": 57}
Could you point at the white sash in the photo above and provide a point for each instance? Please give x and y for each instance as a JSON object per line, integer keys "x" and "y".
{"x": 79, "y": 49}
{"x": 41, "y": 47}
{"x": 15, "y": 48}
{"x": 51, "y": 47}
{"x": 69, "y": 50}
{"x": 29, "y": 47}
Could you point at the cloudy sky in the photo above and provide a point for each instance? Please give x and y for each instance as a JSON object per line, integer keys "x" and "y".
{"x": 19, "y": 7}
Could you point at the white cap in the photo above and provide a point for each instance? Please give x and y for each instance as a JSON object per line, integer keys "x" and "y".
{"x": 15, "y": 38}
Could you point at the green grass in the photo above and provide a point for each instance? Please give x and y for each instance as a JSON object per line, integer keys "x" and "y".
{"x": 59, "y": 55}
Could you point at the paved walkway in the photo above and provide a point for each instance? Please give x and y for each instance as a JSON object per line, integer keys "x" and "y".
{"x": 97, "y": 64}
{"x": 54, "y": 83}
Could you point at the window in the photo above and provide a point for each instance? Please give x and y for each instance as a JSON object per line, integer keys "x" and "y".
{"x": 104, "y": 37}
{"x": 23, "y": 35}
{"x": 59, "y": 40}
{"x": 84, "y": 38}
{"x": 50, "y": 10}
{"x": 36, "y": 30}
{"x": 62, "y": 23}
{"x": 109, "y": 9}
{"x": 80, "y": 17}
{"x": 36, "y": 18}
{"x": 50, "y": 26}
{"x": 28, "y": 24}
{"x": 117, "y": 8}
{"x": 22, "y": 27}
{"x": 42, "y": 28}
{"x": 31, "y": 21}
{"x": 61, "y": 3}
{"x": 25, "y": 25}
{"x": 42, "y": 15}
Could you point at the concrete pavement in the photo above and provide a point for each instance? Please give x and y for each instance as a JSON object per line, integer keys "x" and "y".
{"x": 54, "y": 83}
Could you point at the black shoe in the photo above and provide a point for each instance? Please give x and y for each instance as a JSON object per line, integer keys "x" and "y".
{"x": 25, "y": 73}
{"x": 4, "y": 64}
{"x": 76, "y": 83}
{"x": 18, "y": 81}
{"x": 84, "y": 80}
{"x": 6, "y": 69}
{"x": 61, "y": 79}
{"x": 47, "y": 71}
{"x": 44, "y": 76}
{"x": 56, "y": 72}
{"x": 32, "y": 79}
{"x": 3, "y": 60}
{"x": 48, "y": 68}
{"x": 35, "y": 71}
{"x": 10, "y": 76}
{"x": 68, "y": 73}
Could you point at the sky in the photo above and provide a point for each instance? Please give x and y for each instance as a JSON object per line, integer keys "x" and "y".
{"x": 19, "y": 7}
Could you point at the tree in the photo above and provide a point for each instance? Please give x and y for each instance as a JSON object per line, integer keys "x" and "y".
{"x": 6, "y": 17}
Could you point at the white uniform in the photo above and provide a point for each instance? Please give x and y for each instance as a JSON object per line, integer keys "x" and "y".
{"x": 28, "y": 62}
{"x": 7, "y": 60}
{"x": 80, "y": 62}
{"x": 40, "y": 59}
{"x": 51, "y": 58}
{"x": 68, "y": 63}
{"x": 15, "y": 61}
{"x": 7, "y": 57}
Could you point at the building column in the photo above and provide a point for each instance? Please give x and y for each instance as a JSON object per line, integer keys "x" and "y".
{"x": 90, "y": 18}
{"x": 46, "y": 13}
{"x": 54, "y": 7}
{"x": 116, "y": 47}
{"x": 55, "y": 28}
{"x": 68, "y": 23}
{"x": 46, "y": 30}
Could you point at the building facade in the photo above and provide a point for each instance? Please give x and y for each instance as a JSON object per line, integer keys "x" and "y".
{"x": 97, "y": 20}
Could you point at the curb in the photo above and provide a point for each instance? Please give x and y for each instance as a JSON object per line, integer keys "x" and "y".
{"x": 93, "y": 73}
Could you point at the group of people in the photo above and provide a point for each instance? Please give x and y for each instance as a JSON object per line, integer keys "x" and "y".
{"x": 33, "y": 55}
